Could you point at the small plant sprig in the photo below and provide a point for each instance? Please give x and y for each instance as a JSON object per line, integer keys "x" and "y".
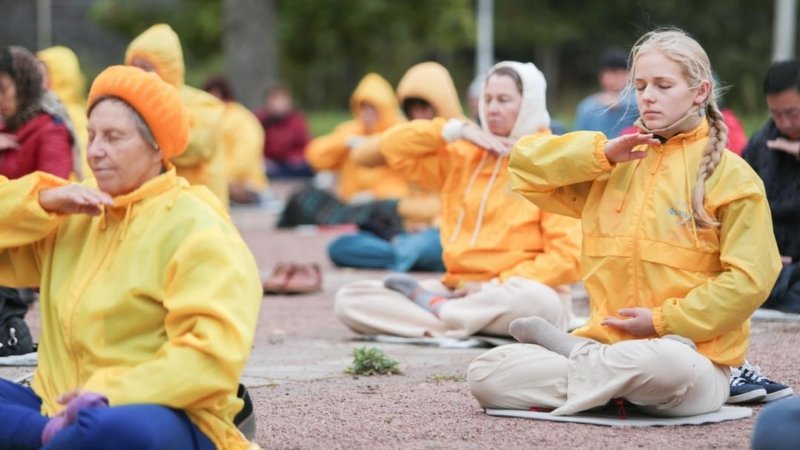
{"x": 371, "y": 361}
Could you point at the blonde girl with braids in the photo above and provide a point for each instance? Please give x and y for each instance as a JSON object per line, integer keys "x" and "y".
{"x": 678, "y": 251}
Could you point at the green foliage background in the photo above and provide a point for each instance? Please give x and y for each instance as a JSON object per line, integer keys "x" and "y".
{"x": 325, "y": 46}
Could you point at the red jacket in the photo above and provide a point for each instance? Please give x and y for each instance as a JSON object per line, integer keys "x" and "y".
{"x": 44, "y": 144}
{"x": 284, "y": 139}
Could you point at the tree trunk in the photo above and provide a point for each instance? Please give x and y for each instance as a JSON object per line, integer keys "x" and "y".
{"x": 250, "y": 46}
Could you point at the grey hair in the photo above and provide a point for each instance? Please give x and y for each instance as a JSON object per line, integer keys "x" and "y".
{"x": 141, "y": 124}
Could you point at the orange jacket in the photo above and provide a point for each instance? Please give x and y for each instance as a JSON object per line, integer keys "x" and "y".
{"x": 332, "y": 151}
{"x": 488, "y": 231}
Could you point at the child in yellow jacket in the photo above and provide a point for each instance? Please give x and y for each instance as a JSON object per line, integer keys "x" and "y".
{"x": 503, "y": 256}
{"x": 678, "y": 252}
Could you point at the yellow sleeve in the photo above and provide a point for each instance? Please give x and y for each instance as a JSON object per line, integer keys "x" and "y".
{"x": 559, "y": 263}
{"x": 330, "y": 151}
{"x": 369, "y": 153}
{"x": 750, "y": 262}
{"x": 212, "y": 298}
{"x": 418, "y": 151}
{"x": 243, "y": 142}
{"x": 24, "y": 223}
{"x": 556, "y": 172}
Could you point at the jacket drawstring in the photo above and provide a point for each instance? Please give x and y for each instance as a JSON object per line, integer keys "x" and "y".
{"x": 484, "y": 201}
{"x": 470, "y": 185}
{"x": 689, "y": 194}
{"x": 628, "y": 185}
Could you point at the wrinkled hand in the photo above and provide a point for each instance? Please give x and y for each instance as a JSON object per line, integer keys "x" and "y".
{"x": 74, "y": 199}
{"x": 785, "y": 145}
{"x": 498, "y": 145}
{"x": 620, "y": 150}
{"x": 8, "y": 141}
{"x": 75, "y": 402}
{"x": 469, "y": 288}
{"x": 639, "y": 324}
{"x": 786, "y": 260}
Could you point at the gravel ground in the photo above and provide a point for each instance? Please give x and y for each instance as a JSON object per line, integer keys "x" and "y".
{"x": 304, "y": 400}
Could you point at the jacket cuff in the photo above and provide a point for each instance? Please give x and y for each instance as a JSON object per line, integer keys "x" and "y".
{"x": 453, "y": 130}
{"x": 658, "y": 322}
{"x": 600, "y": 154}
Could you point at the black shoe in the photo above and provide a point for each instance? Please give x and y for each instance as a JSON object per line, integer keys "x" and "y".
{"x": 752, "y": 375}
{"x": 744, "y": 392}
{"x": 245, "y": 420}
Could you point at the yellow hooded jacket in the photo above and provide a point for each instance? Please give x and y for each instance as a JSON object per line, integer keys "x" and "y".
{"x": 431, "y": 82}
{"x": 332, "y": 152}
{"x": 487, "y": 230}
{"x": 154, "y": 302}
{"x": 641, "y": 247}
{"x": 243, "y": 141}
{"x": 203, "y": 162}
{"x": 69, "y": 85}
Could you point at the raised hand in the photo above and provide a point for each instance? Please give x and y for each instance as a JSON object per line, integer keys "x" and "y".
{"x": 620, "y": 150}
{"x": 8, "y": 141}
{"x": 74, "y": 199}
{"x": 639, "y": 324}
{"x": 785, "y": 145}
{"x": 487, "y": 141}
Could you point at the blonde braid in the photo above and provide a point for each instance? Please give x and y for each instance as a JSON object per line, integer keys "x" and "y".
{"x": 717, "y": 140}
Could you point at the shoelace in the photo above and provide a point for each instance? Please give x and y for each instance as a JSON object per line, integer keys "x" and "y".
{"x": 738, "y": 381}
{"x": 754, "y": 375}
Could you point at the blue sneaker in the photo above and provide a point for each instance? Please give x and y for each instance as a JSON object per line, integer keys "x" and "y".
{"x": 752, "y": 375}
{"x": 743, "y": 391}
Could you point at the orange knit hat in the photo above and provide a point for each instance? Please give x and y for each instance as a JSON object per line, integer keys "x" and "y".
{"x": 157, "y": 101}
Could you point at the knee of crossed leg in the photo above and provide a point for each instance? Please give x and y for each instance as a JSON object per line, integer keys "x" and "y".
{"x": 482, "y": 385}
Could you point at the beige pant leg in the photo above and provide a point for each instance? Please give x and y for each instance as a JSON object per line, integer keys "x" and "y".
{"x": 519, "y": 376}
{"x": 664, "y": 376}
{"x": 367, "y": 307}
{"x": 491, "y": 310}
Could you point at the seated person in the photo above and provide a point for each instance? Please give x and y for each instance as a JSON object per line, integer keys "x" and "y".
{"x": 504, "y": 257}
{"x": 149, "y": 296}
{"x": 677, "y": 253}
{"x": 242, "y": 142}
{"x": 426, "y": 91}
{"x": 363, "y": 194}
{"x": 286, "y": 135}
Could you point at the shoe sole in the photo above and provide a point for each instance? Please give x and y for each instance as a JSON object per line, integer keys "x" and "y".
{"x": 752, "y": 396}
{"x": 777, "y": 395}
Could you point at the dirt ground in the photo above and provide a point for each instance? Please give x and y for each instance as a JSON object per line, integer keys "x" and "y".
{"x": 305, "y": 400}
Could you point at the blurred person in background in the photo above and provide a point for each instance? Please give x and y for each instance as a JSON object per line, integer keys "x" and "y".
{"x": 608, "y": 111}
{"x": 243, "y": 144}
{"x": 286, "y": 135}
{"x": 158, "y": 49}
{"x": 62, "y": 75}
{"x": 426, "y": 91}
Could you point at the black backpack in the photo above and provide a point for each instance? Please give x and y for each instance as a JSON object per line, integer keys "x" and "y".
{"x": 15, "y": 336}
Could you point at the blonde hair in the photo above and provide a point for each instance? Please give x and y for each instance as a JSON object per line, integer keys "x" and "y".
{"x": 683, "y": 49}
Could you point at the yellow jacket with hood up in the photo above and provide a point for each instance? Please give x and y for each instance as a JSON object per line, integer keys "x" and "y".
{"x": 203, "y": 162}
{"x": 155, "y": 301}
{"x": 487, "y": 230}
{"x": 332, "y": 151}
{"x": 69, "y": 85}
{"x": 641, "y": 246}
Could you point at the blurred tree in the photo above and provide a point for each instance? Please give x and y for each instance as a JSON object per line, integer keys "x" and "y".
{"x": 249, "y": 40}
{"x": 325, "y": 46}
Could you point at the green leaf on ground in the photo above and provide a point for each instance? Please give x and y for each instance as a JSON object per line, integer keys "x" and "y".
{"x": 371, "y": 361}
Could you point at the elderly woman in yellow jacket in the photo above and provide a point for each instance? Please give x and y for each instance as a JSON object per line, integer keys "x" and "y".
{"x": 149, "y": 296}
{"x": 678, "y": 252}
{"x": 63, "y": 76}
{"x": 504, "y": 257}
{"x": 158, "y": 49}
